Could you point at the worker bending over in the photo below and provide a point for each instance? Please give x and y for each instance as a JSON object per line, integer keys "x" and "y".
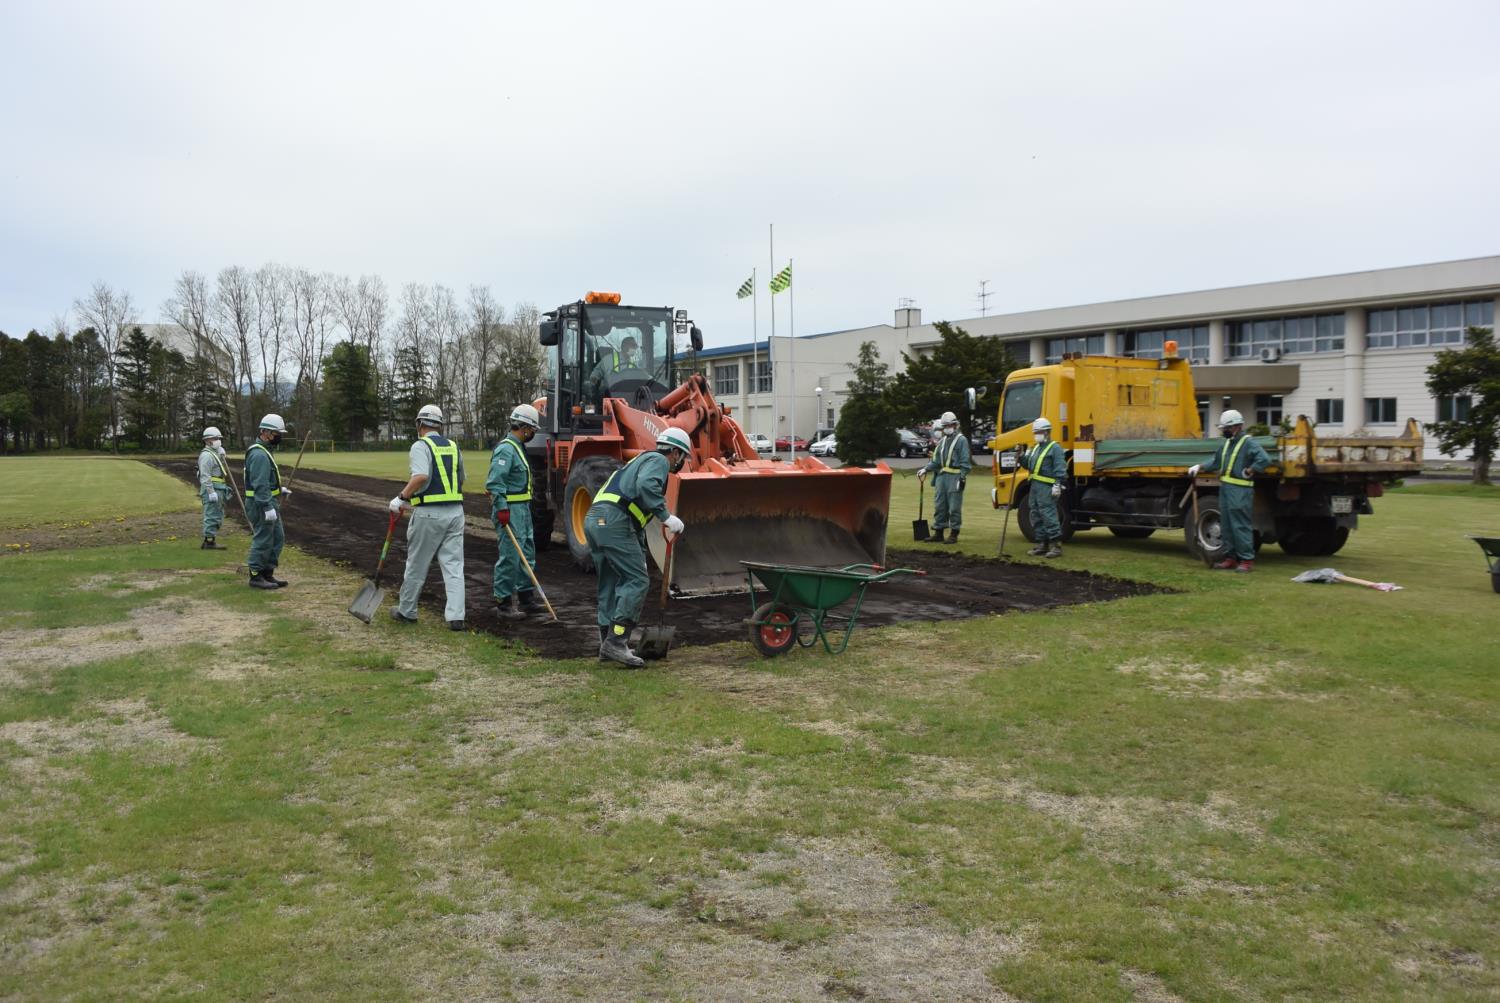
{"x": 213, "y": 486}
{"x": 510, "y": 488}
{"x": 435, "y": 495}
{"x": 616, "y": 531}
{"x": 263, "y": 497}
{"x": 950, "y": 464}
{"x": 1048, "y": 469}
{"x": 1238, "y": 459}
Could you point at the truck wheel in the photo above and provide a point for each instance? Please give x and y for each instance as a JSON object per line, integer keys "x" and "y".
{"x": 1023, "y": 516}
{"x": 1132, "y": 532}
{"x": 584, "y": 481}
{"x": 1206, "y": 539}
{"x": 1315, "y": 537}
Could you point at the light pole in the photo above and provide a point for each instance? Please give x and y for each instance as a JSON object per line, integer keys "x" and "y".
{"x": 819, "y": 423}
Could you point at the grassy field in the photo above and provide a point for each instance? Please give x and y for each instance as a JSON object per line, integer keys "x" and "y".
{"x": 1248, "y": 789}
{"x": 36, "y": 491}
{"x": 389, "y": 465}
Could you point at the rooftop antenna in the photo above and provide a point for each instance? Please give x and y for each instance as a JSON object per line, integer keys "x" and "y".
{"x": 984, "y": 297}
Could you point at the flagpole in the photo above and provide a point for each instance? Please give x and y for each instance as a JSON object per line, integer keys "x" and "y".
{"x": 791, "y": 348}
{"x": 770, "y": 345}
{"x": 754, "y": 349}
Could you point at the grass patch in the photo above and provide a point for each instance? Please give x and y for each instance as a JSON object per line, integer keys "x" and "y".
{"x": 1451, "y": 489}
{"x": 391, "y": 465}
{"x": 48, "y": 490}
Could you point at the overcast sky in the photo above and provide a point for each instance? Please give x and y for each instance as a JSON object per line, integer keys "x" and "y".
{"x": 1068, "y": 153}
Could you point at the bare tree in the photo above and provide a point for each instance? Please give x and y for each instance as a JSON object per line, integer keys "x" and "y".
{"x": 191, "y": 307}
{"x": 110, "y": 314}
{"x": 311, "y": 319}
{"x": 447, "y": 325}
{"x": 272, "y": 323}
{"x": 481, "y": 351}
{"x": 234, "y": 317}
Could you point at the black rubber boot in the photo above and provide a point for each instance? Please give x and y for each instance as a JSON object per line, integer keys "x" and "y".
{"x": 952, "y": 536}
{"x": 1054, "y": 550}
{"x": 271, "y": 577}
{"x": 1039, "y": 549}
{"x": 527, "y": 604}
{"x": 505, "y": 609}
{"x": 259, "y": 581}
{"x": 209, "y": 543}
{"x": 615, "y": 649}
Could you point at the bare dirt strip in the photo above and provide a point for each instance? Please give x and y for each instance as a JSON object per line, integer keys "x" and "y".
{"x": 343, "y": 517}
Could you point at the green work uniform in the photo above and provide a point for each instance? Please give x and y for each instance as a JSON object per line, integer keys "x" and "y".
{"x": 950, "y": 466}
{"x": 510, "y": 488}
{"x": 615, "y": 529}
{"x": 1235, "y": 460}
{"x": 262, "y": 494}
{"x": 213, "y": 490}
{"x": 1047, "y": 467}
{"x": 436, "y": 528}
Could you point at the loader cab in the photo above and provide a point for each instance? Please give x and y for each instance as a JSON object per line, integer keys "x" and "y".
{"x": 605, "y": 349}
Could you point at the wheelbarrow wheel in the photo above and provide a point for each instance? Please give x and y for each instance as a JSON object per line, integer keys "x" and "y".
{"x": 774, "y": 631}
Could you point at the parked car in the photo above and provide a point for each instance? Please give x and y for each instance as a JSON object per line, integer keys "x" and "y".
{"x": 979, "y": 440}
{"x": 910, "y": 443}
{"x": 826, "y": 446}
{"x": 781, "y": 443}
{"x": 761, "y": 442}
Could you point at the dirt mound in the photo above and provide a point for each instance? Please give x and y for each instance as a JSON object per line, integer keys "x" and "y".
{"x": 346, "y": 520}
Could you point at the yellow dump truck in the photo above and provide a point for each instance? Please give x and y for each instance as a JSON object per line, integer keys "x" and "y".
{"x": 1131, "y": 430}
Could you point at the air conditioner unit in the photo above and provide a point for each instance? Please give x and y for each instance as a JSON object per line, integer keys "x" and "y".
{"x": 1270, "y": 354}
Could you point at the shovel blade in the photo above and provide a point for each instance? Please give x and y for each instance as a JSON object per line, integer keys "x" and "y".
{"x": 652, "y": 642}
{"x": 367, "y": 603}
{"x": 920, "y": 530}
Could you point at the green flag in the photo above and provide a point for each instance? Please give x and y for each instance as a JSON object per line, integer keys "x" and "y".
{"x": 782, "y": 281}
{"x": 747, "y": 289}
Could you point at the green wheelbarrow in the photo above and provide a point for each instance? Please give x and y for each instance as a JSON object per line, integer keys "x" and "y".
{"x": 1491, "y": 547}
{"x": 801, "y": 595}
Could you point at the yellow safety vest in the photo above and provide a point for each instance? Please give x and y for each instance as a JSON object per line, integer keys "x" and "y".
{"x": 618, "y": 500}
{"x": 218, "y": 482}
{"x": 447, "y": 475}
{"x": 1040, "y": 454}
{"x": 1224, "y": 469}
{"x": 275, "y": 470}
{"x": 948, "y": 456}
{"x": 524, "y": 496}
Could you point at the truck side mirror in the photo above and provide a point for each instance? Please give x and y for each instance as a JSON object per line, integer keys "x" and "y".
{"x": 549, "y": 331}
{"x": 697, "y": 338}
{"x": 971, "y": 398}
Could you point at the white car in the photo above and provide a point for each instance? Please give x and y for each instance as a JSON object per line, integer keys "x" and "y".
{"x": 827, "y": 446}
{"x": 762, "y": 443}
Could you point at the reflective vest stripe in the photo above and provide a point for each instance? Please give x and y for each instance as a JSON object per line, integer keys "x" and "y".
{"x": 447, "y": 474}
{"x": 611, "y": 497}
{"x": 218, "y": 481}
{"x": 947, "y": 466}
{"x": 523, "y": 496}
{"x": 275, "y": 471}
{"x": 1224, "y": 471}
{"x": 1040, "y": 454}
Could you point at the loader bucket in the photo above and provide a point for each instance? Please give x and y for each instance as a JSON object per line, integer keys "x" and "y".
{"x": 803, "y": 512}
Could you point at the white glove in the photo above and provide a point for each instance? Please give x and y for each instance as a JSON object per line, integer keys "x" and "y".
{"x": 674, "y": 525}
{"x": 1193, "y": 470}
{"x": 922, "y": 474}
{"x": 219, "y": 497}
{"x": 271, "y": 515}
{"x": 1057, "y": 491}
{"x": 398, "y": 503}
{"x": 994, "y": 498}
{"x": 286, "y": 492}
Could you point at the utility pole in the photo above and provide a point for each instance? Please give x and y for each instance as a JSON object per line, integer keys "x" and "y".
{"x": 984, "y": 297}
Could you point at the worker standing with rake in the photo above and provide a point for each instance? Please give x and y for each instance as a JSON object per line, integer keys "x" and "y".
{"x": 213, "y": 486}
{"x": 263, "y": 496}
{"x": 950, "y": 464}
{"x": 435, "y": 493}
{"x": 510, "y": 487}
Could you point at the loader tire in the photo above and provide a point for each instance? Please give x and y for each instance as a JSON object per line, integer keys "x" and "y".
{"x": 1023, "y": 515}
{"x": 584, "y": 481}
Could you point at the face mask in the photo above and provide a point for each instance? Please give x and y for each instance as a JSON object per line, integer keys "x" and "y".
{"x": 1040, "y": 437}
{"x": 276, "y": 439}
{"x": 1228, "y": 433}
{"x": 950, "y": 430}
{"x": 218, "y": 447}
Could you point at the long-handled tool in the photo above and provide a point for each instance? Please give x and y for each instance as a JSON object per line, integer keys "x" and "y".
{"x": 1192, "y": 495}
{"x": 1010, "y": 502}
{"x": 919, "y": 529}
{"x": 367, "y": 603}
{"x": 529, "y": 573}
{"x": 289, "y": 477}
{"x": 1330, "y": 575}
{"x": 655, "y": 642}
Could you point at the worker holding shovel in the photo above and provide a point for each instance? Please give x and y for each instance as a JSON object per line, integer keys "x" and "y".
{"x": 435, "y": 494}
{"x": 264, "y": 494}
{"x": 213, "y": 486}
{"x": 510, "y": 488}
{"x": 950, "y": 465}
{"x": 615, "y": 528}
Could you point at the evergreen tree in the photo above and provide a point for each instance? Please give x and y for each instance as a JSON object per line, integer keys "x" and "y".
{"x": 936, "y": 383}
{"x": 350, "y": 406}
{"x": 866, "y": 429}
{"x": 140, "y": 402}
{"x": 1473, "y": 372}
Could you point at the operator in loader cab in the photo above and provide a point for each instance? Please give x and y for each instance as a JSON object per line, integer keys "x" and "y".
{"x": 628, "y": 356}
{"x": 950, "y": 464}
{"x": 615, "y": 527}
{"x": 1237, "y": 461}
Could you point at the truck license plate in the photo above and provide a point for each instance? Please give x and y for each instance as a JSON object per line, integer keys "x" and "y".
{"x": 1342, "y": 504}
{"x": 1007, "y": 461}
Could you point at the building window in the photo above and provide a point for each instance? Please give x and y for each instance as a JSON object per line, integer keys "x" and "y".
{"x": 1192, "y": 343}
{"x": 1427, "y": 324}
{"x": 1454, "y": 408}
{"x": 1380, "y": 410}
{"x": 763, "y": 377}
{"x": 1203, "y": 414}
{"x": 727, "y": 379}
{"x": 1322, "y": 332}
{"x": 1268, "y": 410}
{"x": 1330, "y": 411}
{"x": 1084, "y": 344}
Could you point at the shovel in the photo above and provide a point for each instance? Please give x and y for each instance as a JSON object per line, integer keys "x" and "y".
{"x": 367, "y": 603}
{"x": 1330, "y": 575}
{"x": 1010, "y": 501}
{"x": 655, "y": 642}
{"x": 919, "y": 528}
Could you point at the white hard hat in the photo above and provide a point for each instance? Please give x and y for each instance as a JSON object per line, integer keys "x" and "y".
{"x": 212, "y": 432}
{"x": 675, "y": 437}
{"x": 430, "y": 414}
{"x": 1231, "y": 417}
{"x": 525, "y": 414}
{"x": 948, "y": 418}
{"x": 273, "y": 422}
{"x": 1041, "y": 425}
